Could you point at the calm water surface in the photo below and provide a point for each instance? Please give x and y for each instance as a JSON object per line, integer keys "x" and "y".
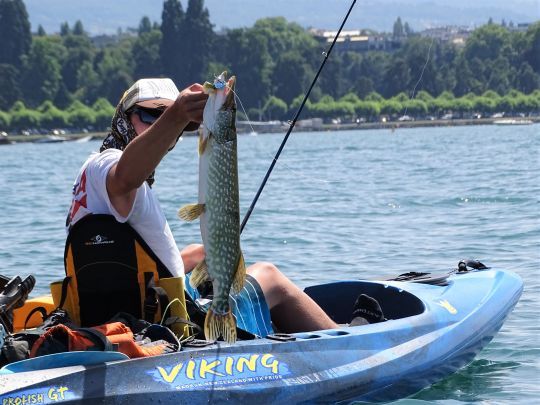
{"x": 340, "y": 205}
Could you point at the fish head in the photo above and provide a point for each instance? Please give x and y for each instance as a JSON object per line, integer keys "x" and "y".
{"x": 219, "y": 116}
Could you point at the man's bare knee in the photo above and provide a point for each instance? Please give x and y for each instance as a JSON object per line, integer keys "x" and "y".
{"x": 273, "y": 282}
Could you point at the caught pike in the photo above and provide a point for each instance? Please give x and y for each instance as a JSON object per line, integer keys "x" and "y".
{"x": 219, "y": 208}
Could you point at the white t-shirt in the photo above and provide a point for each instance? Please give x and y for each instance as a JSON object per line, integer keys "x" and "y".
{"x": 146, "y": 217}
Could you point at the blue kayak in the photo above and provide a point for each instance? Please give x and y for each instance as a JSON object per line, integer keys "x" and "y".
{"x": 432, "y": 331}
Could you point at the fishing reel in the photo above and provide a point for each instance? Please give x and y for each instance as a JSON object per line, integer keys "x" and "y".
{"x": 465, "y": 265}
{"x": 13, "y": 295}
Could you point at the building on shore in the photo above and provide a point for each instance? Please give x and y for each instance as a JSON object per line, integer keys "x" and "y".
{"x": 358, "y": 40}
{"x": 456, "y": 35}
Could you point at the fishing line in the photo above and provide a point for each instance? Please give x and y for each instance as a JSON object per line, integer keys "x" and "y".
{"x": 294, "y": 171}
{"x": 421, "y": 74}
{"x": 293, "y": 122}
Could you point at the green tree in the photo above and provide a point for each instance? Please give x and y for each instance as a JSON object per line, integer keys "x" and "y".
{"x": 291, "y": 76}
{"x": 391, "y": 107}
{"x": 146, "y": 54}
{"x": 424, "y": 96}
{"x": 114, "y": 66}
{"x": 443, "y": 103}
{"x": 4, "y": 120}
{"x": 526, "y": 79}
{"x": 332, "y": 80}
{"x": 466, "y": 81}
{"x": 407, "y": 29}
{"x": 415, "y": 107}
{"x": 283, "y": 36}
{"x": 63, "y": 97}
{"x": 488, "y": 42}
{"x": 79, "y": 51}
{"x": 80, "y": 116}
{"x": 363, "y": 86}
{"x": 88, "y": 83}
{"x": 499, "y": 75}
{"x": 375, "y": 97}
{"x": 528, "y": 103}
{"x": 485, "y": 105}
{"x": 145, "y": 25}
{"x": 245, "y": 52}
{"x": 283, "y": 42}
{"x": 14, "y": 31}
{"x": 371, "y": 66}
{"x": 103, "y": 112}
{"x": 64, "y": 29}
{"x": 463, "y": 106}
{"x": 350, "y": 98}
{"x": 23, "y": 118}
{"x": 367, "y": 109}
{"x": 275, "y": 108}
{"x": 532, "y": 52}
{"x": 172, "y": 50}
{"x": 295, "y": 105}
{"x": 398, "y": 31}
{"x": 9, "y": 83}
{"x": 397, "y": 76}
{"x": 198, "y": 41}
{"x": 421, "y": 57}
{"x": 78, "y": 28}
{"x": 42, "y": 70}
{"x": 52, "y": 117}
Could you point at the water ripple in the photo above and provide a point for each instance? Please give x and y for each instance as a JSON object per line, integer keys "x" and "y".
{"x": 356, "y": 204}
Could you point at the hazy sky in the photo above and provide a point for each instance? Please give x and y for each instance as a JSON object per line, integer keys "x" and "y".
{"x": 105, "y": 16}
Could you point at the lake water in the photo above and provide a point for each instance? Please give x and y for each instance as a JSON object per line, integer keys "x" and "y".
{"x": 340, "y": 205}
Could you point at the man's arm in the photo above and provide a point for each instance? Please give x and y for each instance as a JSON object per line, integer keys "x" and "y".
{"x": 145, "y": 152}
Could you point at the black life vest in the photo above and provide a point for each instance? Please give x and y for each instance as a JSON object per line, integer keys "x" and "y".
{"x": 110, "y": 269}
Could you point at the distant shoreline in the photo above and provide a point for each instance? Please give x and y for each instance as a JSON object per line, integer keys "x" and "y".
{"x": 392, "y": 125}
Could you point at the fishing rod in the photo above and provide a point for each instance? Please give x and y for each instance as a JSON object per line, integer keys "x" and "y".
{"x": 293, "y": 122}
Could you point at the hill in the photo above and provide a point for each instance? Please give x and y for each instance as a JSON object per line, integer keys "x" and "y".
{"x": 105, "y": 17}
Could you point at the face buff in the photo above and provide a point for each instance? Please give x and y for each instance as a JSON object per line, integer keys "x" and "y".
{"x": 122, "y": 133}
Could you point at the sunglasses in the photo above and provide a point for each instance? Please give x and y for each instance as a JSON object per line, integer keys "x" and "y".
{"x": 147, "y": 115}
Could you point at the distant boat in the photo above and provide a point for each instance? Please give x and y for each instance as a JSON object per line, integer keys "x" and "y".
{"x": 84, "y": 139}
{"x": 512, "y": 122}
{"x": 50, "y": 139}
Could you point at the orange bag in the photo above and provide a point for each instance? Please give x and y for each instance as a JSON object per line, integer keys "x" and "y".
{"x": 114, "y": 336}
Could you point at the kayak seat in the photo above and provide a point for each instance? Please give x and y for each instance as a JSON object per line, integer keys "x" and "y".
{"x": 337, "y": 299}
{"x": 110, "y": 269}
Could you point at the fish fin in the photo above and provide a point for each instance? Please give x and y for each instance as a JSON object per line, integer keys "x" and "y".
{"x": 240, "y": 275}
{"x": 191, "y": 212}
{"x": 203, "y": 141}
{"x": 216, "y": 325}
{"x": 208, "y": 87}
{"x": 199, "y": 274}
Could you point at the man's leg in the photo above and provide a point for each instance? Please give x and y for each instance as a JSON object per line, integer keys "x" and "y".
{"x": 292, "y": 310}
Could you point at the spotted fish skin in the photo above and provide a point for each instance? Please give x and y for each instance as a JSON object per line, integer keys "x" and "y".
{"x": 219, "y": 208}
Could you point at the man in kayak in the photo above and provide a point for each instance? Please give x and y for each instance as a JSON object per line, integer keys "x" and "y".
{"x": 148, "y": 121}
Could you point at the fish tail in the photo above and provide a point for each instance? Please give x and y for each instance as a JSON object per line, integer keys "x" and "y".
{"x": 216, "y": 325}
{"x": 240, "y": 275}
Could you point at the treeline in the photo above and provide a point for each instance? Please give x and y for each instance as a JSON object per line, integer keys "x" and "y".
{"x": 348, "y": 108}
{"x": 70, "y": 79}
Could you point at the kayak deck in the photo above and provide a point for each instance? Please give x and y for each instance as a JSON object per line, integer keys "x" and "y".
{"x": 432, "y": 331}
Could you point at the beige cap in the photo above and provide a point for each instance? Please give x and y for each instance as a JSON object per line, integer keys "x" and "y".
{"x": 150, "y": 93}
